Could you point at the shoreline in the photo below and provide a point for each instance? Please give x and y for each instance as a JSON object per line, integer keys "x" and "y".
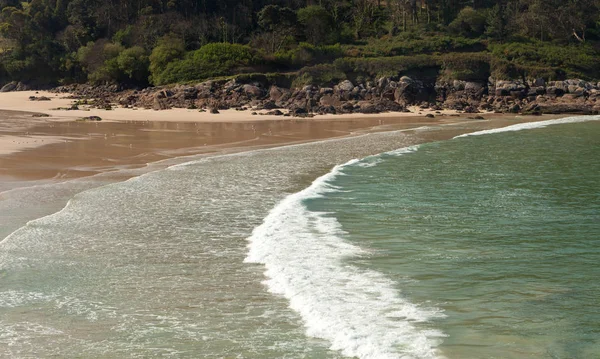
{"x": 59, "y": 148}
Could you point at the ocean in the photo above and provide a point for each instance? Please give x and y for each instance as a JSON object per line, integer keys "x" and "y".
{"x": 373, "y": 246}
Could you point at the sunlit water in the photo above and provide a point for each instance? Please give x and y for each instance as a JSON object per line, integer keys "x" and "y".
{"x": 477, "y": 247}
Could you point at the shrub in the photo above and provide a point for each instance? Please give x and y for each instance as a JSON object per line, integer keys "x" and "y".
{"x": 133, "y": 62}
{"x": 212, "y": 60}
{"x": 581, "y": 61}
{"x": 469, "y": 22}
{"x": 306, "y": 54}
{"x": 466, "y": 66}
{"x": 385, "y": 66}
{"x": 169, "y": 49}
{"x": 317, "y": 24}
{"x": 321, "y": 75}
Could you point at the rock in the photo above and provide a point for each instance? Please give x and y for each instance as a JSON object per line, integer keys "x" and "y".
{"x": 298, "y": 112}
{"x": 214, "y": 111}
{"x": 275, "y": 113}
{"x": 429, "y": 115}
{"x": 346, "y": 86}
{"x": 40, "y": 98}
{"x": 269, "y": 105}
{"x": 383, "y": 82}
{"x": 514, "y": 108}
{"x": 325, "y": 90}
{"x": 538, "y": 82}
{"x": 474, "y": 87}
{"x": 252, "y": 91}
{"x": 329, "y": 100}
{"x": 275, "y": 93}
{"x": 11, "y": 86}
{"x": 159, "y": 104}
{"x": 40, "y": 115}
{"x": 190, "y": 93}
{"x": 555, "y": 91}
{"x": 92, "y": 118}
{"x": 471, "y": 109}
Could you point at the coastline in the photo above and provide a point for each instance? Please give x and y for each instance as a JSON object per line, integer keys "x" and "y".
{"x": 59, "y": 146}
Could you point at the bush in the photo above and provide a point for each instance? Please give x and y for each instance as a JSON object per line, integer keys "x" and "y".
{"x": 385, "y": 66}
{"x": 321, "y": 75}
{"x": 466, "y": 66}
{"x": 133, "y": 62}
{"x": 554, "y": 61}
{"x": 307, "y": 55}
{"x": 406, "y": 44}
{"x": 469, "y": 22}
{"x": 169, "y": 49}
{"x": 212, "y": 60}
{"x": 317, "y": 23}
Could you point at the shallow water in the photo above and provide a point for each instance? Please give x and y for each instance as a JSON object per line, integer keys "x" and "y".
{"x": 449, "y": 249}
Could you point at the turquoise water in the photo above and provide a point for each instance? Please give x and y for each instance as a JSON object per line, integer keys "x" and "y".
{"x": 500, "y": 232}
{"x": 475, "y": 247}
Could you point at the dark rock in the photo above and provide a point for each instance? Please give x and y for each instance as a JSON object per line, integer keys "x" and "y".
{"x": 275, "y": 113}
{"x": 429, "y": 115}
{"x": 39, "y": 98}
{"x": 269, "y": 105}
{"x": 252, "y": 91}
{"x": 11, "y": 86}
{"x": 92, "y": 118}
{"x": 214, "y": 111}
{"x": 345, "y": 86}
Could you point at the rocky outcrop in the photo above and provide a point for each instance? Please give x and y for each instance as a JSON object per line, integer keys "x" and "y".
{"x": 14, "y": 86}
{"x": 370, "y": 96}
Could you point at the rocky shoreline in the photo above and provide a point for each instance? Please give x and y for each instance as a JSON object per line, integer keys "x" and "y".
{"x": 387, "y": 94}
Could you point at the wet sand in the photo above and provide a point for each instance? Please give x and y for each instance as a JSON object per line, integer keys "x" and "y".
{"x": 56, "y": 148}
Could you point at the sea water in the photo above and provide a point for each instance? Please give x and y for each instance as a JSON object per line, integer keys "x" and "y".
{"x": 484, "y": 246}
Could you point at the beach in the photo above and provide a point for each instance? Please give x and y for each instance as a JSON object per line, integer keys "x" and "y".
{"x": 270, "y": 238}
{"x": 61, "y": 146}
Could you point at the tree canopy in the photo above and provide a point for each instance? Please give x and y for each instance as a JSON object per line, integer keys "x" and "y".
{"x": 157, "y": 41}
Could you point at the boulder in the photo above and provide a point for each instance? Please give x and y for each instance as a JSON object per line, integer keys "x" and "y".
{"x": 252, "y": 91}
{"x": 345, "y": 86}
{"x": 11, "y": 86}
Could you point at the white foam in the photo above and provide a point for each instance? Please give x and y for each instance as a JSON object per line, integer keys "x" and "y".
{"x": 357, "y": 310}
{"x": 533, "y": 125}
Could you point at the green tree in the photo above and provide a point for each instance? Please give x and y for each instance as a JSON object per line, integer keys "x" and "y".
{"x": 169, "y": 49}
{"x": 278, "y": 23}
{"x": 469, "y": 22}
{"x": 316, "y": 23}
{"x": 133, "y": 63}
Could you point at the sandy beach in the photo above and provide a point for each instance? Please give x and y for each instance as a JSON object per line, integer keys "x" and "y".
{"x": 59, "y": 146}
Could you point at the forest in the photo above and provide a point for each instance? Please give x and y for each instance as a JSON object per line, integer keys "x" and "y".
{"x": 140, "y": 43}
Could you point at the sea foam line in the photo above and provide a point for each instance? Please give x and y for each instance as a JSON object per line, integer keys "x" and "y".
{"x": 532, "y": 125}
{"x": 357, "y": 310}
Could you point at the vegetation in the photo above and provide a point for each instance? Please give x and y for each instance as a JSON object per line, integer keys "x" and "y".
{"x": 157, "y": 42}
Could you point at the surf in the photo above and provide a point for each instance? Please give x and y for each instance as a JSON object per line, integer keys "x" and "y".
{"x": 359, "y": 311}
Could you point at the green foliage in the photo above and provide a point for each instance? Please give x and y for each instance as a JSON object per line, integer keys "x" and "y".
{"x": 469, "y": 22}
{"x": 53, "y": 41}
{"x": 168, "y": 50}
{"x": 306, "y": 54}
{"x": 322, "y": 75}
{"x": 385, "y": 66}
{"x": 573, "y": 60}
{"x": 212, "y": 60}
{"x": 133, "y": 62}
{"x": 466, "y": 66}
{"x": 317, "y": 25}
{"x": 411, "y": 44}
